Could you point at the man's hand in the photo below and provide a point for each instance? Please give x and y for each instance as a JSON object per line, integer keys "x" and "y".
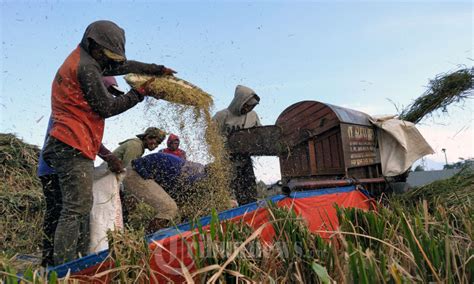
{"x": 156, "y": 70}
{"x": 115, "y": 164}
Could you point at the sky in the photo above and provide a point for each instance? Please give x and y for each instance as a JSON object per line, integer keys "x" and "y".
{"x": 375, "y": 57}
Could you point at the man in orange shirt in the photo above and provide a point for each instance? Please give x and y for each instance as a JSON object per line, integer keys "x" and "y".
{"x": 80, "y": 104}
{"x": 52, "y": 190}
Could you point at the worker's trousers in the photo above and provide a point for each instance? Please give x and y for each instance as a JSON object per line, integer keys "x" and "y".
{"x": 54, "y": 203}
{"x": 75, "y": 174}
{"x": 243, "y": 181}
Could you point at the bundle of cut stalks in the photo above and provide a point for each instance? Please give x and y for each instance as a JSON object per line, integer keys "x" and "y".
{"x": 173, "y": 89}
{"x": 442, "y": 91}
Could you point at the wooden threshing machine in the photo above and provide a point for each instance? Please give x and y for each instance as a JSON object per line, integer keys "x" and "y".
{"x": 319, "y": 145}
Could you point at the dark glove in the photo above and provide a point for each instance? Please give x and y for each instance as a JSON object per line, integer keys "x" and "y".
{"x": 114, "y": 163}
{"x": 168, "y": 71}
{"x": 158, "y": 70}
{"x": 153, "y": 69}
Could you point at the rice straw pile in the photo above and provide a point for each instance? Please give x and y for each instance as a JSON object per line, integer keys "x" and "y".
{"x": 21, "y": 197}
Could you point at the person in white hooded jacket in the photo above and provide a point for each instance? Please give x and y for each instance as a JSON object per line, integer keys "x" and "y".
{"x": 240, "y": 115}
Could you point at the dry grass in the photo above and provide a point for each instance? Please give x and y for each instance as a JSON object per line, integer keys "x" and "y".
{"x": 442, "y": 91}
{"x": 21, "y": 199}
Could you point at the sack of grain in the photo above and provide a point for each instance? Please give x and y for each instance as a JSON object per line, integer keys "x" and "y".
{"x": 106, "y": 213}
{"x": 172, "y": 89}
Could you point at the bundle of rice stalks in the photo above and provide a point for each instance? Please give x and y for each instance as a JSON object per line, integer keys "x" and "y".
{"x": 21, "y": 199}
{"x": 442, "y": 91}
{"x": 173, "y": 89}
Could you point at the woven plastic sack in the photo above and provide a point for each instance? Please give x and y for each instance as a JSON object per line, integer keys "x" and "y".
{"x": 106, "y": 213}
{"x": 172, "y": 89}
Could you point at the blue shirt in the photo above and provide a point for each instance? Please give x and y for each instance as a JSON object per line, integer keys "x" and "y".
{"x": 168, "y": 170}
{"x": 165, "y": 169}
{"x": 43, "y": 168}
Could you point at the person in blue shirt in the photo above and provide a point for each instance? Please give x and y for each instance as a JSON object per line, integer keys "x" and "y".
{"x": 157, "y": 179}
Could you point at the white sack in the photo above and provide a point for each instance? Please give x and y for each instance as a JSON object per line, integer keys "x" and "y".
{"x": 106, "y": 210}
{"x": 400, "y": 144}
